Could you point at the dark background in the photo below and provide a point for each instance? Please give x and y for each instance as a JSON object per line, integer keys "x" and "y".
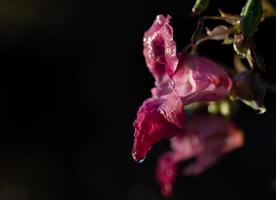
{"x": 72, "y": 78}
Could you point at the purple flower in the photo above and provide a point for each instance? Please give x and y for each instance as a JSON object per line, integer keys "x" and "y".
{"x": 206, "y": 138}
{"x": 180, "y": 79}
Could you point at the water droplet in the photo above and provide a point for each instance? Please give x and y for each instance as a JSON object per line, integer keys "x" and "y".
{"x": 141, "y": 160}
{"x": 138, "y": 159}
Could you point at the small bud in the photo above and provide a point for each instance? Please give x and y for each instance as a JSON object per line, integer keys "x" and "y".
{"x": 218, "y": 33}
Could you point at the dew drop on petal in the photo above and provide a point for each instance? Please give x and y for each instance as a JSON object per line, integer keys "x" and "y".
{"x": 141, "y": 160}
{"x": 138, "y": 159}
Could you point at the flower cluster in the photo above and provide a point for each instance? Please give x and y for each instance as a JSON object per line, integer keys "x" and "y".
{"x": 180, "y": 80}
{"x": 184, "y": 81}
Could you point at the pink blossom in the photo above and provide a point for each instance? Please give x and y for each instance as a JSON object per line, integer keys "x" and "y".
{"x": 180, "y": 79}
{"x": 206, "y": 138}
{"x": 157, "y": 118}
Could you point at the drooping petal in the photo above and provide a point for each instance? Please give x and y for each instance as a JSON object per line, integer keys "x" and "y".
{"x": 160, "y": 51}
{"x": 166, "y": 172}
{"x": 198, "y": 78}
{"x": 157, "y": 118}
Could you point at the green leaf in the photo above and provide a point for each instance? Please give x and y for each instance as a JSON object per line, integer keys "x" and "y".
{"x": 200, "y": 6}
{"x": 250, "y": 17}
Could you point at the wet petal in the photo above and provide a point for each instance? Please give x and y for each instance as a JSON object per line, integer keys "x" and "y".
{"x": 157, "y": 118}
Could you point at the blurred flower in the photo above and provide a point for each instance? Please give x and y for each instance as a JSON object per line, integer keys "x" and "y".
{"x": 206, "y": 138}
{"x": 166, "y": 173}
{"x": 180, "y": 79}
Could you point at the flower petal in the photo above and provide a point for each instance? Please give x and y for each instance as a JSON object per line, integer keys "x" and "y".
{"x": 160, "y": 50}
{"x": 173, "y": 110}
{"x": 157, "y": 118}
{"x": 198, "y": 78}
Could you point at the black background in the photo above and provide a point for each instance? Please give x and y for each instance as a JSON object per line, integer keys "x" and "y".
{"x": 72, "y": 78}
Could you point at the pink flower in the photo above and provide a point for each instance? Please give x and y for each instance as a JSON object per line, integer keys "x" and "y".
{"x": 195, "y": 78}
{"x": 157, "y": 118}
{"x": 206, "y": 138}
{"x": 180, "y": 79}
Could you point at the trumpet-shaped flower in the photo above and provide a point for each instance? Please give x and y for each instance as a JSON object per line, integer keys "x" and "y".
{"x": 180, "y": 79}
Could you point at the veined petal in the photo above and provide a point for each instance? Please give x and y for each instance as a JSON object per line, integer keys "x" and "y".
{"x": 173, "y": 110}
{"x": 198, "y": 78}
{"x": 157, "y": 118}
{"x": 160, "y": 49}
